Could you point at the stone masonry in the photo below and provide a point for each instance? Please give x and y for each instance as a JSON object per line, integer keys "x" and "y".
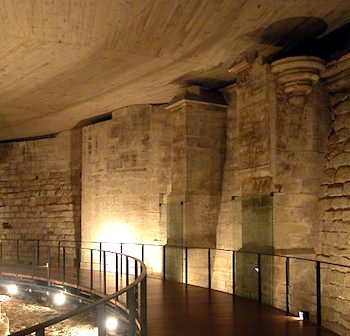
{"x": 40, "y": 191}
{"x": 334, "y": 244}
{"x": 260, "y": 174}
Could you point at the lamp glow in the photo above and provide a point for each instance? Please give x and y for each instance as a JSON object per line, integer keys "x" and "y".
{"x": 111, "y": 323}
{"x": 12, "y": 289}
{"x": 59, "y": 299}
{"x": 256, "y": 269}
{"x": 304, "y": 315}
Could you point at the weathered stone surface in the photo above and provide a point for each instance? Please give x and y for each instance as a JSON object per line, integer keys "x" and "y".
{"x": 40, "y": 188}
{"x": 335, "y": 226}
{"x": 296, "y": 75}
{"x": 342, "y": 174}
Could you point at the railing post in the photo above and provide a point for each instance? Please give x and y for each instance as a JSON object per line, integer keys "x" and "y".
{"x": 100, "y": 257}
{"x": 48, "y": 264}
{"x": 287, "y": 285}
{"x": 38, "y": 252}
{"x": 233, "y": 273}
{"x": 121, "y": 260}
{"x": 78, "y": 265}
{"x": 33, "y": 262}
{"x": 59, "y": 254}
{"x": 259, "y": 278}
{"x": 143, "y": 252}
{"x": 318, "y": 292}
{"x": 209, "y": 268}
{"x": 186, "y": 266}
{"x": 143, "y": 306}
{"x": 127, "y": 270}
{"x": 104, "y": 273}
{"x": 40, "y": 332}
{"x": 132, "y": 310}
{"x": 116, "y": 272}
{"x": 136, "y": 270}
{"x": 91, "y": 270}
{"x": 164, "y": 263}
{"x": 64, "y": 264}
{"x": 101, "y": 320}
{"x": 17, "y": 257}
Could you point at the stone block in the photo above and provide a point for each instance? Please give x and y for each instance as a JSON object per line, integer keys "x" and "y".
{"x": 342, "y": 174}
{"x": 335, "y": 189}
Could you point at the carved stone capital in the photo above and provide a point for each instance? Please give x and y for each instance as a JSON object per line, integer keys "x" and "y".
{"x": 296, "y": 76}
{"x": 199, "y": 95}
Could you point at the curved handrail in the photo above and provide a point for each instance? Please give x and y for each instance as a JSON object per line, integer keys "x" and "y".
{"x": 80, "y": 243}
{"x": 85, "y": 308}
{"x": 135, "y": 322}
{"x": 317, "y": 265}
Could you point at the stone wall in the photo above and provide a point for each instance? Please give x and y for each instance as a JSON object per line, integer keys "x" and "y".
{"x": 125, "y": 175}
{"x": 250, "y": 177}
{"x": 40, "y": 192}
{"x": 334, "y": 243}
{"x": 272, "y": 176}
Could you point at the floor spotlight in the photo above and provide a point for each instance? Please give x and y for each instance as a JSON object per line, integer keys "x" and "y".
{"x": 111, "y": 323}
{"x": 12, "y": 289}
{"x": 304, "y": 315}
{"x": 59, "y": 299}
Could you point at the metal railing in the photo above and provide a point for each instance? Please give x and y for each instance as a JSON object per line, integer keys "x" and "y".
{"x": 117, "y": 280}
{"x": 264, "y": 272}
{"x": 291, "y": 268}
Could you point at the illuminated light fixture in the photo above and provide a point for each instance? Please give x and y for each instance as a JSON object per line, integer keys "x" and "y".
{"x": 12, "y": 289}
{"x": 256, "y": 269}
{"x": 59, "y": 299}
{"x": 111, "y": 323}
{"x": 304, "y": 315}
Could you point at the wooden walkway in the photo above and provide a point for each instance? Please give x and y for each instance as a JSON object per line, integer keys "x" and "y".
{"x": 174, "y": 309}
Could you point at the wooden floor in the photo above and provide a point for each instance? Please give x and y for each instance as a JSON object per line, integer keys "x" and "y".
{"x": 174, "y": 309}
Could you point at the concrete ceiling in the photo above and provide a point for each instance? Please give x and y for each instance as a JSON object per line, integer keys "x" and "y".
{"x": 62, "y": 61}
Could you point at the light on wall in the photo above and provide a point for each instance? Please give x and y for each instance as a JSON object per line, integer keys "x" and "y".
{"x": 116, "y": 232}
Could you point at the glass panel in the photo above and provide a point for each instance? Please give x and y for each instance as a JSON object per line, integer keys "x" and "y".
{"x": 198, "y": 267}
{"x": 302, "y": 287}
{"x": 175, "y": 263}
{"x": 279, "y": 283}
{"x": 221, "y": 270}
{"x": 247, "y": 275}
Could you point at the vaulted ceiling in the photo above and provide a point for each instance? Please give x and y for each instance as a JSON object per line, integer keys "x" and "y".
{"x": 63, "y": 61}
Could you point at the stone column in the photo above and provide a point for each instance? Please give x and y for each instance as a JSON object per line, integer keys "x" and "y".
{"x": 198, "y": 149}
{"x": 198, "y": 153}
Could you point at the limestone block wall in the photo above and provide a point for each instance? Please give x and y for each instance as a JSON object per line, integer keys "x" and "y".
{"x": 198, "y": 154}
{"x": 229, "y": 228}
{"x": 40, "y": 192}
{"x": 301, "y": 133}
{"x": 125, "y": 177}
{"x": 272, "y": 175}
{"x": 334, "y": 243}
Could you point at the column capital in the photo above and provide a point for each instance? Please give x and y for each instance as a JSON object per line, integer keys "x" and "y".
{"x": 296, "y": 75}
{"x": 198, "y": 95}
